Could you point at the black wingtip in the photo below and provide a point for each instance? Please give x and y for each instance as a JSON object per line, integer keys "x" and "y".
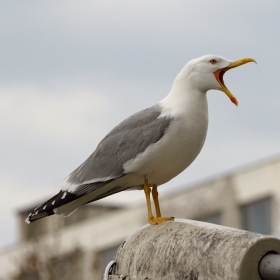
{"x": 44, "y": 210}
{"x": 35, "y": 215}
{"x": 47, "y": 208}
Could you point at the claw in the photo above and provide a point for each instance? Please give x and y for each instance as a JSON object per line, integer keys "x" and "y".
{"x": 159, "y": 220}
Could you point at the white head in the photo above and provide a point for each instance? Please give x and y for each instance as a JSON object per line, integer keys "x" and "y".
{"x": 206, "y": 72}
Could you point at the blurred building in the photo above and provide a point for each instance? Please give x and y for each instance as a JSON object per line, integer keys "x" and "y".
{"x": 80, "y": 246}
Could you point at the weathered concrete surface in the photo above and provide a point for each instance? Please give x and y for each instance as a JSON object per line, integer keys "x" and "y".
{"x": 192, "y": 250}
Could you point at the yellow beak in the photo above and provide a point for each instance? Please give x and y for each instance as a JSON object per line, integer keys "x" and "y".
{"x": 220, "y": 73}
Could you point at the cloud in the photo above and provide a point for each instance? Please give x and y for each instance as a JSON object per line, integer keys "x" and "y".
{"x": 70, "y": 38}
{"x": 56, "y": 114}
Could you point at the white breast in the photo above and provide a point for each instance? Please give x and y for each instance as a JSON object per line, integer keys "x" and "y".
{"x": 182, "y": 142}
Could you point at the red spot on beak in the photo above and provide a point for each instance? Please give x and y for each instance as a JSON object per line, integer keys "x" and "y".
{"x": 234, "y": 100}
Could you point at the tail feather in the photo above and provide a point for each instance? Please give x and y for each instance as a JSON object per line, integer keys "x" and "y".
{"x": 68, "y": 209}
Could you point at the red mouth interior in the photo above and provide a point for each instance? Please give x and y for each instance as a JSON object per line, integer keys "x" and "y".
{"x": 219, "y": 74}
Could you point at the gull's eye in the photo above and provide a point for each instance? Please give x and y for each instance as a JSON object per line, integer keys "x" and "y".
{"x": 213, "y": 61}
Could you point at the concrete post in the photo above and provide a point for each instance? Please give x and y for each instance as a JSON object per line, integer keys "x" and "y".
{"x": 192, "y": 250}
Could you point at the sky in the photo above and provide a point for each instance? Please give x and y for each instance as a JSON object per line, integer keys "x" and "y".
{"x": 72, "y": 70}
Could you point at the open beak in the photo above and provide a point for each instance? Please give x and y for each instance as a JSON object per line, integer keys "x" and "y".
{"x": 220, "y": 73}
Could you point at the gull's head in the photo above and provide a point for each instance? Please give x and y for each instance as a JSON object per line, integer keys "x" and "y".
{"x": 207, "y": 72}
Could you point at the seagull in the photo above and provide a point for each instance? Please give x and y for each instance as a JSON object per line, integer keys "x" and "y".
{"x": 150, "y": 147}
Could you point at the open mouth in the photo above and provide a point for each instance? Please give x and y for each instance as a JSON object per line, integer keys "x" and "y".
{"x": 219, "y": 75}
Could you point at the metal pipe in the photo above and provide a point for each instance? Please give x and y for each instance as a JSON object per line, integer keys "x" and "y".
{"x": 269, "y": 267}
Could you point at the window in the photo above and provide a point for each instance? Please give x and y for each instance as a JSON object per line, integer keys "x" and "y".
{"x": 213, "y": 219}
{"x": 256, "y": 216}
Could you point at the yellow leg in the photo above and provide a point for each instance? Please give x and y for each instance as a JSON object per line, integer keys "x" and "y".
{"x": 156, "y": 202}
{"x": 152, "y": 220}
{"x": 148, "y": 200}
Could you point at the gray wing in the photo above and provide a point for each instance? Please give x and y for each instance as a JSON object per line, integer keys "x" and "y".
{"x": 130, "y": 138}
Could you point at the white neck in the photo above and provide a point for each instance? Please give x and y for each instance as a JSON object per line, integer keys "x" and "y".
{"x": 184, "y": 99}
